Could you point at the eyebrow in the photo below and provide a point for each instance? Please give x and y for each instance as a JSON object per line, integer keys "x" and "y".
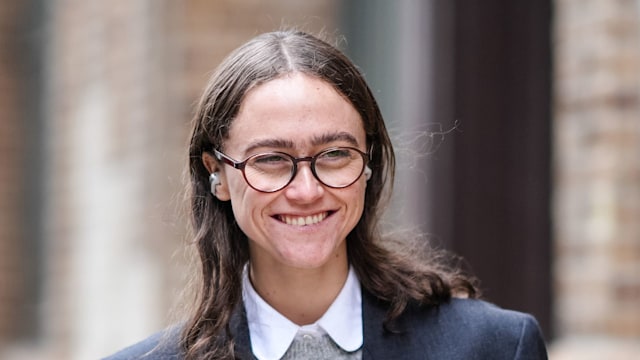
{"x": 336, "y": 136}
{"x": 269, "y": 143}
{"x": 315, "y": 141}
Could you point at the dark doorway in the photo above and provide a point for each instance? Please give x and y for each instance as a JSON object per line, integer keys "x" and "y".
{"x": 501, "y": 167}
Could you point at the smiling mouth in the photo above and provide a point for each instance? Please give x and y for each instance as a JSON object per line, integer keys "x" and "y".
{"x": 303, "y": 220}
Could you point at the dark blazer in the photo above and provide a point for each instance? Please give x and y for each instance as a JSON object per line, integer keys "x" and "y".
{"x": 460, "y": 329}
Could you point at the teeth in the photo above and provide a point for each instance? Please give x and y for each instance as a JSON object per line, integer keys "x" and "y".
{"x": 303, "y": 220}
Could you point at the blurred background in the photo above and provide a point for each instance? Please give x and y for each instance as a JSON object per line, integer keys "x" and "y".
{"x": 517, "y": 125}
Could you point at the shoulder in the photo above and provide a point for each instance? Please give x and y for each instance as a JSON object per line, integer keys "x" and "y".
{"x": 480, "y": 328}
{"x": 458, "y": 329}
{"x": 478, "y": 313}
{"x": 164, "y": 345}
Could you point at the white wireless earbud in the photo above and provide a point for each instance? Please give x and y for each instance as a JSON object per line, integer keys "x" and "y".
{"x": 214, "y": 180}
{"x": 367, "y": 172}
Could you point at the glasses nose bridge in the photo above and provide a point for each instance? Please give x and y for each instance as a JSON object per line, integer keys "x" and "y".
{"x": 312, "y": 165}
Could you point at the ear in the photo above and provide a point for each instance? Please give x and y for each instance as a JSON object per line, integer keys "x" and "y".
{"x": 213, "y": 165}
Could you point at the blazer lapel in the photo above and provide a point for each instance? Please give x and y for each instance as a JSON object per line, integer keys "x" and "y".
{"x": 240, "y": 332}
{"x": 378, "y": 343}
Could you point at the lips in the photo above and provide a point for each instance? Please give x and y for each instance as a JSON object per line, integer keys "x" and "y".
{"x": 303, "y": 220}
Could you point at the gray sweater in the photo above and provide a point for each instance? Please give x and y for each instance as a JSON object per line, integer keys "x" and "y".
{"x": 318, "y": 348}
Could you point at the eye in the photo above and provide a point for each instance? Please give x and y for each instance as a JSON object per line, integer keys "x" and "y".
{"x": 270, "y": 162}
{"x": 335, "y": 159}
{"x": 336, "y": 154}
{"x": 271, "y": 158}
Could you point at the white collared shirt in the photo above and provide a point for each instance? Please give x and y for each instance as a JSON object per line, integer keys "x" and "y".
{"x": 271, "y": 333}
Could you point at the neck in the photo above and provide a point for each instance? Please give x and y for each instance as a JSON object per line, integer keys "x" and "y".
{"x": 301, "y": 295}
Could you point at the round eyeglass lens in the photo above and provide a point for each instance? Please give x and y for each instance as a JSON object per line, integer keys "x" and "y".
{"x": 269, "y": 172}
{"x": 339, "y": 167}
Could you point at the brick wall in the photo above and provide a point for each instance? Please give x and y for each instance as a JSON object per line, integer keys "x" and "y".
{"x": 597, "y": 178}
{"x": 114, "y": 130}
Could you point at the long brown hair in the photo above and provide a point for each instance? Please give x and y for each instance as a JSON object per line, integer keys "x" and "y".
{"x": 385, "y": 272}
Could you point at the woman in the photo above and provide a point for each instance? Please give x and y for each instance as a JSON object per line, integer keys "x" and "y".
{"x": 290, "y": 167}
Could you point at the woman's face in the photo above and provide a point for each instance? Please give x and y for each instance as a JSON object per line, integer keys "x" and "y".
{"x": 299, "y": 115}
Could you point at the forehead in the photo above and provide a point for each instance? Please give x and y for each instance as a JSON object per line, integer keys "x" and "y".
{"x": 295, "y": 111}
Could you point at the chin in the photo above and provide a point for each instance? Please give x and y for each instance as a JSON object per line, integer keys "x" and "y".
{"x": 313, "y": 260}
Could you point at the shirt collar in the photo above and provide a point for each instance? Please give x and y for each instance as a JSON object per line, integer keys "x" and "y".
{"x": 271, "y": 333}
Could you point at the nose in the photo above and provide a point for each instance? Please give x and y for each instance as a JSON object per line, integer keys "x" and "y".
{"x": 304, "y": 187}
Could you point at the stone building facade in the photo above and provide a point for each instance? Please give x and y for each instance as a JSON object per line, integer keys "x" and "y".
{"x": 597, "y": 179}
{"x": 95, "y": 101}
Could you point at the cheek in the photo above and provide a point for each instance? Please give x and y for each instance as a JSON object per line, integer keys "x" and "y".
{"x": 237, "y": 186}
{"x": 362, "y": 189}
{"x": 245, "y": 212}
{"x": 247, "y": 205}
{"x": 357, "y": 200}
{"x": 240, "y": 197}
